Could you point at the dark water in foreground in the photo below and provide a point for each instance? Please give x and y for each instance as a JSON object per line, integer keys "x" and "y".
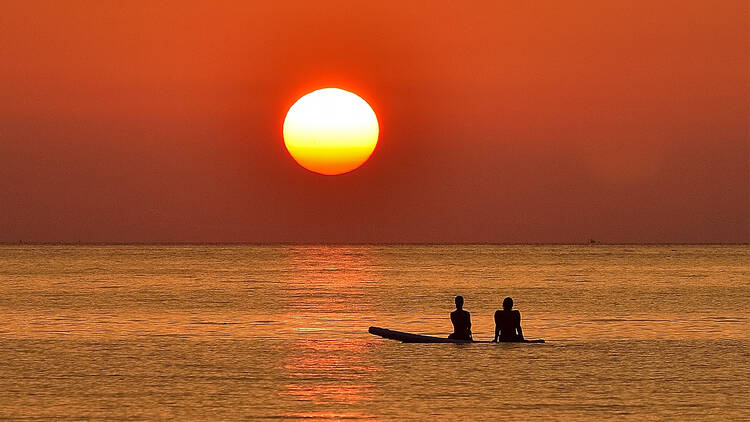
{"x": 280, "y": 332}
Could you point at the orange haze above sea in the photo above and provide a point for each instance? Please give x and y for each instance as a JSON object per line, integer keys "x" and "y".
{"x": 547, "y": 122}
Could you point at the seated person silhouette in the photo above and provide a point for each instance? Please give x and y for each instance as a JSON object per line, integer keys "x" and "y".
{"x": 461, "y": 320}
{"x": 508, "y": 323}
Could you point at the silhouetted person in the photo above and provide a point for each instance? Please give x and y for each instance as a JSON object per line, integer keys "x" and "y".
{"x": 461, "y": 320}
{"x": 508, "y": 323}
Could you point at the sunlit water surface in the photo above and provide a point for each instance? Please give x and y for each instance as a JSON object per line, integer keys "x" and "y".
{"x": 280, "y": 332}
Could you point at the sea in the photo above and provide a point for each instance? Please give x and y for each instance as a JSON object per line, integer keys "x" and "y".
{"x": 280, "y": 332}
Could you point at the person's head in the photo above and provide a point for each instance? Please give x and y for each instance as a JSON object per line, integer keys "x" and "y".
{"x": 507, "y": 303}
{"x": 459, "y": 302}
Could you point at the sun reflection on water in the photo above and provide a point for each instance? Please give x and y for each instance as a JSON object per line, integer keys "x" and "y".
{"x": 328, "y": 296}
{"x": 327, "y": 416}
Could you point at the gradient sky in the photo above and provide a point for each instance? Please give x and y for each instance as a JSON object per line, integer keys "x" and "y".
{"x": 555, "y": 121}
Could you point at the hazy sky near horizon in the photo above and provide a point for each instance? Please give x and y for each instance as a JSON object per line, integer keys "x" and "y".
{"x": 140, "y": 121}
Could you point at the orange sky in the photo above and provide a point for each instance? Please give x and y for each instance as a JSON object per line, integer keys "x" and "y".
{"x": 501, "y": 122}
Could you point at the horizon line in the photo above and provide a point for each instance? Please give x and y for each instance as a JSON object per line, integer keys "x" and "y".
{"x": 242, "y": 243}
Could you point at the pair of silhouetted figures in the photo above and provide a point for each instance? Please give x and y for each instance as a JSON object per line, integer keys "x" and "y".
{"x": 507, "y": 322}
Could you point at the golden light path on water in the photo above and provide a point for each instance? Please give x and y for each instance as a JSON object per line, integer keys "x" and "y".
{"x": 329, "y": 288}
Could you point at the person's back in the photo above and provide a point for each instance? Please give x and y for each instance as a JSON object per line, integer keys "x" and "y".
{"x": 461, "y": 320}
{"x": 508, "y": 323}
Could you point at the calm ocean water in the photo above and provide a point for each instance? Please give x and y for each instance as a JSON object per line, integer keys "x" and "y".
{"x": 280, "y": 332}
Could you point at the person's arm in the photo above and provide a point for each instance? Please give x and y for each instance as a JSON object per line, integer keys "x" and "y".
{"x": 497, "y": 329}
{"x": 468, "y": 320}
{"x": 518, "y": 328}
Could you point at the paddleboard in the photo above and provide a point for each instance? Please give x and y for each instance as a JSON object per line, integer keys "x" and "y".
{"x": 418, "y": 338}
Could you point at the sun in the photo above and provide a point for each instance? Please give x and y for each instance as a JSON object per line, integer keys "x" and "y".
{"x": 331, "y": 131}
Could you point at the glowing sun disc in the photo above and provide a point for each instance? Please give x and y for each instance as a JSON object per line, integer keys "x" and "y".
{"x": 330, "y": 131}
